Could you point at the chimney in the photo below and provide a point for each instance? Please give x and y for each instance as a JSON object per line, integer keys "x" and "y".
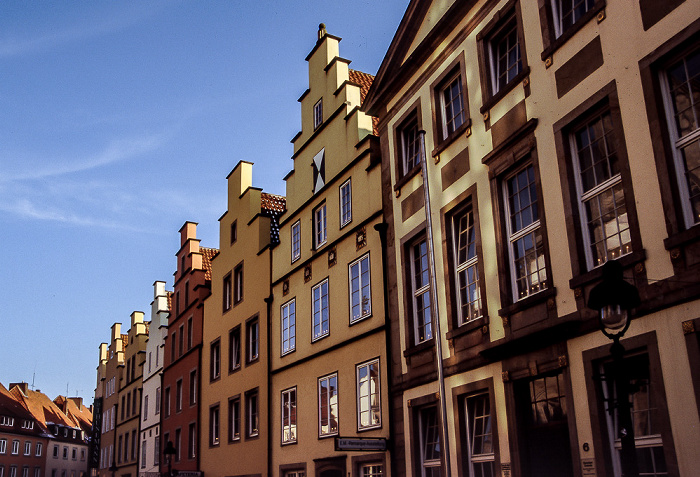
{"x": 22, "y": 387}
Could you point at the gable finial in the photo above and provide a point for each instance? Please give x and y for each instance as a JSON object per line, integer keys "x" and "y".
{"x": 321, "y": 31}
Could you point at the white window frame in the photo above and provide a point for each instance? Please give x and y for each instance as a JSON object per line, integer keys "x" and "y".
{"x": 15, "y": 447}
{"x": 13, "y": 471}
{"x": 157, "y": 403}
{"x": 320, "y": 313}
{"x": 288, "y": 326}
{"x": 215, "y": 360}
{"x": 252, "y": 340}
{"x": 235, "y": 349}
{"x": 234, "y": 419}
{"x": 38, "y": 448}
{"x": 296, "y": 240}
{"x": 252, "y": 414}
{"x": 345, "y": 203}
{"x": 372, "y": 470}
{"x": 679, "y": 143}
{"x": 330, "y": 401}
{"x": 443, "y": 91}
{"x": 407, "y": 144}
{"x": 144, "y": 453}
{"x": 320, "y": 226}
{"x": 289, "y": 415}
{"x": 514, "y": 236}
{"x": 558, "y": 19}
{"x": 368, "y": 391}
{"x": 3, "y": 446}
{"x": 422, "y": 292}
{"x": 471, "y": 263}
{"x": 238, "y": 284}
{"x": 495, "y": 40}
{"x": 360, "y": 288}
{"x": 318, "y": 113}
{"x": 470, "y": 416}
{"x": 27, "y": 447}
{"x": 227, "y": 285}
{"x": 214, "y": 426}
{"x": 422, "y": 440}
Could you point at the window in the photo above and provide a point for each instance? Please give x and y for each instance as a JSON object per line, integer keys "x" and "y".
{"x": 26, "y": 424}
{"x": 371, "y": 470}
{"x": 178, "y": 395}
{"x": 38, "y": 449}
{"x": 289, "y": 320}
{"x": 55, "y": 451}
{"x": 238, "y": 284}
{"x": 128, "y": 407}
{"x": 504, "y": 56}
{"x": 214, "y": 426}
{"x": 145, "y": 407}
{"x": 289, "y": 416}
{"x": 345, "y": 203}
{"x": 465, "y": 263}
{"x": 234, "y": 232}
{"x": 527, "y": 261}
{"x": 7, "y": 421}
{"x": 3, "y": 446}
{"x": 328, "y": 405}
{"x": 320, "y": 234}
{"x": 143, "y": 453}
{"x": 191, "y": 440}
{"x": 187, "y": 294}
{"x": 234, "y": 419}
{"x": 680, "y": 84}
{"x": 318, "y": 113}
{"x": 190, "y": 330}
{"x": 289, "y": 473}
{"x": 603, "y": 211}
{"x": 369, "y": 414}
{"x": 227, "y": 296}
{"x": 420, "y": 281}
{"x": 37, "y": 472}
{"x": 360, "y": 293}
{"x": 166, "y": 399}
{"x": 234, "y": 349}
{"x": 565, "y": 13}
{"x": 296, "y": 241}
{"x": 251, "y": 413}
{"x": 321, "y": 323}
{"x": 480, "y": 444}
{"x": 193, "y": 387}
{"x": 173, "y": 348}
{"x": 15, "y": 447}
{"x": 181, "y": 343}
{"x": 27, "y": 447}
{"x": 13, "y": 471}
{"x": 451, "y": 100}
{"x": 215, "y": 356}
{"x": 74, "y": 453}
{"x": 157, "y": 401}
{"x": 156, "y": 451}
{"x": 409, "y": 143}
{"x": 25, "y": 471}
{"x": 253, "y": 340}
{"x": 429, "y": 442}
{"x": 82, "y": 455}
{"x": 319, "y": 170}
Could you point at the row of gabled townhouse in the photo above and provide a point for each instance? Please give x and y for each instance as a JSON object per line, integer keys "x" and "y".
{"x": 40, "y": 437}
{"x": 349, "y": 329}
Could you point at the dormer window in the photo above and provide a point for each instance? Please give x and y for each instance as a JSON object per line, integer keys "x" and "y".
{"x": 318, "y": 113}
{"x": 319, "y": 166}
{"x": 7, "y": 421}
{"x": 27, "y": 424}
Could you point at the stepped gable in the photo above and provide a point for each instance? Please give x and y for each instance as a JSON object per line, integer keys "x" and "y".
{"x": 208, "y": 255}
{"x": 364, "y": 80}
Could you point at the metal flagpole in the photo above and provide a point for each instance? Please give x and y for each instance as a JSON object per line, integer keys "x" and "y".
{"x": 437, "y": 336}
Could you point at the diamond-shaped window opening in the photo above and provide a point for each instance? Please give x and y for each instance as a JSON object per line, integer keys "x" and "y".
{"x": 319, "y": 165}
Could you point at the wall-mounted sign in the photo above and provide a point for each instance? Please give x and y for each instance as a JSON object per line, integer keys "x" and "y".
{"x": 360, "y": 444}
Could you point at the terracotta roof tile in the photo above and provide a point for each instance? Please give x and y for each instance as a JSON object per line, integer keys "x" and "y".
{"x": 125, "y": 342}
{"x": 169, "y": 294}
{"x": 273, "y": 203}
{"x": 364, "y": 80}
{"x": 207, "y": 255}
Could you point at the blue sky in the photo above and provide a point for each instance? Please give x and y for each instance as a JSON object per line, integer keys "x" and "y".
{"x": 119, "y": 121}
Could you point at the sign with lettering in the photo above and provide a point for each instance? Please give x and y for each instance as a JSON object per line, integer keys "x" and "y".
{"x": 588, "y": 468}
{"x": 360, "y": 443}
{"x": 505, "y": 469}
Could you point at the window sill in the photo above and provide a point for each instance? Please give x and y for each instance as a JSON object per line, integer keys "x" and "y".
{"x": 588, "y": 16}
{"x": 493, "y": 100}
{"x": 415, "y": 349}
{"x": 234, "y": 370}
{"x": 360, "y": 320}
{"x": 597, "y": 273}
{"x": 466, "y": 328}
{"x": 528, "y": 302}
{"x": 409, "y": 175}
{"x": 683, "y": 238}
{"x": 367, "y": 429}
{"x": 445, "y": 143}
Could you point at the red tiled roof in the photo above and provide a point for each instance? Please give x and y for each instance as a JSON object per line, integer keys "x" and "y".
{"x": 125, "y": 342}
{"x": 207, "y": 255}
{"x": 42, "y": 408}
{"x": 76, "y": 411}
{"x": 364, "y": 80}
{"x": 273, "y": 203}
{"x": 169, "y": 295}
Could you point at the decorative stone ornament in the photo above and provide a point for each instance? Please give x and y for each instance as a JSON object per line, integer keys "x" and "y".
{"x": 285, "y": 287}
{"x": 332, "y": 257}
{"x": 361, "y": 238}
{"x": 307, "y": 273}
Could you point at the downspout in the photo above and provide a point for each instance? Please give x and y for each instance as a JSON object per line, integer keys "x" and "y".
{"x": 268, "y": 302}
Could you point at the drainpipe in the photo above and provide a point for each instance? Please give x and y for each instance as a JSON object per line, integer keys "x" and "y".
{"x": 268, "y": 302}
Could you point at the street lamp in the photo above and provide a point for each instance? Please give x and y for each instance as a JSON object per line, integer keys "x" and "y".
{"x": 613, "y": 298}
{"x": 169, "y": 453}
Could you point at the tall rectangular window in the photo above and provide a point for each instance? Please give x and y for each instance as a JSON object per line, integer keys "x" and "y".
{"x": 527, "y": 261}
{"x": 565, "y": 13}
{"x": 156, "y": 451}
{"x": 289, "y": 416}
{"x": 191, "y": 440}
{"x": 371, "y": 470}
{"x": 318, "y": 113}
{"x": 504, "y": 60}
{"x": 420, "y": 282}
{"x": 452, "y": 112}
{"x": 173, "y": 347}
{"x": 234, "y": 419}
{"x": 27, "y": 447}
{"x": 166, "y": 402}
{"x": 252, "y": 413}
{"x": 215, "y": 360}
{"x": 3, "y": 446}
{"x": 465, "y": 263}
{"x": 238, "y": 284}
{"x": 234, "y": 349}
{"x": 345, "y": 203}
{"x": 320, "y": 232}
{"x": 38, "y": 448}
{"x": 193, "y": 387}
{"x": 234, "y": 232}
{"x": 682, "y": 96}
{"x": 480, "y": 448}
{"x": 145, "y": 407}
{"x": 369, "y": 412}
{"x": 320, "y": 312}
{"x": 144, "y": 451}
{"x": 190, "y": 330}
{"x": 328, "y": 405}
{"x": 214, "y": 426}
{"x": 296, "y": 241}
{"x": 178, "y": 395}
{"x": 178, "y": 444}
{"x": 360, "y": 289}
{"x": 181, "y": 343}
{"x": 289, "y": 320}
{"x": 157, "y": 401}
{"x": 600, "y": 191}
{"x": 409, "y": 144}
{"x": 253, "y": 340}
{"x": 227, "y": 293}
{"x": 429, "y": 445}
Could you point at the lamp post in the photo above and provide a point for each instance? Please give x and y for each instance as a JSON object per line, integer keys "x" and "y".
{"x": 169, "y": 452}
{"x": 614, "y": 299}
